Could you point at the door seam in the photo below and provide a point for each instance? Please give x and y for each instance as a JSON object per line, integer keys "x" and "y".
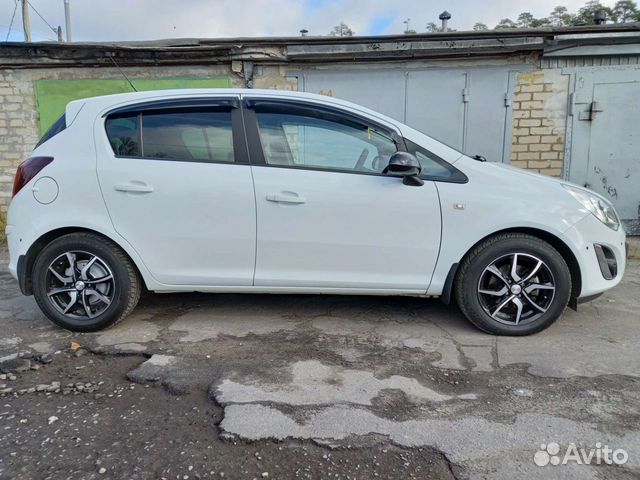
{"x": 255, "y": 198}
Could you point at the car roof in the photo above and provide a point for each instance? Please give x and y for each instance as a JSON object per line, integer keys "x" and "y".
{"x": 107, "y": 102}
{"x": 99, "y": 106}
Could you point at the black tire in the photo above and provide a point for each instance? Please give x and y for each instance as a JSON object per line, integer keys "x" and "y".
{"x": 496, "y": 251}
{"x": 124, "y": 288}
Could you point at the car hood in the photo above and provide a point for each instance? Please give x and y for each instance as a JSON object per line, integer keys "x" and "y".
{"x": 519, "y": 173}
{"x": 536, "y": 177}
{"x": 515, "y": 174}
{"x": 516, "y": 197}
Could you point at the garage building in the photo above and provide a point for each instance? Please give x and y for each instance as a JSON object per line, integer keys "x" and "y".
{"x": 563, "y": 102}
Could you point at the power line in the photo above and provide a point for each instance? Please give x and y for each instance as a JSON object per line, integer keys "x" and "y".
{"x": 123, "y": 74}
{"x": 15, "y": 8}
{"x": 38, "y": 13}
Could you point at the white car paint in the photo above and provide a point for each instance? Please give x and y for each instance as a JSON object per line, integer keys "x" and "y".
{"x": 345, "y": 235}
{"x": 365, "y": 237}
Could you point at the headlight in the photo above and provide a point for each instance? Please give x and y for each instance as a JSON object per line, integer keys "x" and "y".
{"x": 597, "y": 205}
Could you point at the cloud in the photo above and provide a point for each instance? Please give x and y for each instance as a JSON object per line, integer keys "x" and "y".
{"x": 95, "y": 20}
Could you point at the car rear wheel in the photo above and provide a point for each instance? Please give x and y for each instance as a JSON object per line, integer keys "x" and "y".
{"x": 83, "y": 282}
{"x": 513, "y": 284}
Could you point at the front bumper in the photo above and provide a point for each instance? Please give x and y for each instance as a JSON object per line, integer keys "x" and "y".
{"x": 586, "y": 239}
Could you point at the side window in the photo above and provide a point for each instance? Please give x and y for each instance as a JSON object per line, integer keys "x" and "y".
{"x": 54, "y": 129}
{"x": 124, "y": 135}
{"x": 326, "y": 142}
{"x": 178, "y": 134}
{"x": 432, "y": 166}
{"x": 188, "y": 135}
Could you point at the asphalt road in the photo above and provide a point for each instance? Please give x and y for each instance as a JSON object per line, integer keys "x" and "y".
{"x": 247, "y": 386}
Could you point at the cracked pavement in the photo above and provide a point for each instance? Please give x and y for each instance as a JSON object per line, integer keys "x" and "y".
{"x": 357, "y": 374}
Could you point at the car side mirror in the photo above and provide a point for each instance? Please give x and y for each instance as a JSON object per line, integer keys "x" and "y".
{"x": 405, "y": 165}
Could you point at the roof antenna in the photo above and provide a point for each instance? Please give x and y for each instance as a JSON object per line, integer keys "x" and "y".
{"x": 110, "y": 55}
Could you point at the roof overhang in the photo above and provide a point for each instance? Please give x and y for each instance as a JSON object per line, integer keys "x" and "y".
{"x": 283, "y": 50}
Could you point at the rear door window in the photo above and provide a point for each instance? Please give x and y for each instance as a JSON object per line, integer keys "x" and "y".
{"x": 124, "y": 134}
{"x": 188, "y": 135}
{"x": 182, "y": 134}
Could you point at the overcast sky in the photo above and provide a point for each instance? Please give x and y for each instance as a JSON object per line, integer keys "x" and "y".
{"x": 100, "y": 20}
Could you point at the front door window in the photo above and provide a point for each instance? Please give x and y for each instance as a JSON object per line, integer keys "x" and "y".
{"x": 323, "y": 142}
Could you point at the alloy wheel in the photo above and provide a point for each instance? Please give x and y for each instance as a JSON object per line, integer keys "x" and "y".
{"x": 80, "y": 285}
{"x": 516, "y": 289}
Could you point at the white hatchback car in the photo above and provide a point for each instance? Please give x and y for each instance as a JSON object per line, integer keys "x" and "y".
{"x": 281, "y": 192}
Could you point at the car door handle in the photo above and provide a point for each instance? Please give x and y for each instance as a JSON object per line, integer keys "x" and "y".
{"x": 133, "y": 187}
{"x": 285, "y": 197}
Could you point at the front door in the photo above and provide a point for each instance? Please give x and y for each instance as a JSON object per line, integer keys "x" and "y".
{"x": 605, "y": 146}
{"x": 178, "y": 188}
{"x": 327, "y": 216}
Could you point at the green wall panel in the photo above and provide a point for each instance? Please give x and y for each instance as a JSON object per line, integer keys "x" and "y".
{"x": 52, "y": 96}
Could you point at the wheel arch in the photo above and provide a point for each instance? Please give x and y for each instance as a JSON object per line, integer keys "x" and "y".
{"x": 553, "y": 240}
{"x": 26, "y": 262}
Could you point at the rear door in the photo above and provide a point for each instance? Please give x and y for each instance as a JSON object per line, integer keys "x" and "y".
{"x": 178, "y": 187}
{"x": 327, "y": 216}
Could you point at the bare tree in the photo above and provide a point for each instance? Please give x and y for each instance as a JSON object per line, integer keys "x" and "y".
{"x": 433, "y": 27}
{"x": 341, "y": 30}
{"x": 480, "y": 27}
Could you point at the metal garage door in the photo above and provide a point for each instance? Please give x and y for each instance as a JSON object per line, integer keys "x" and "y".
{"x": 465, "y": 108}
{"x": 605, "y": 137}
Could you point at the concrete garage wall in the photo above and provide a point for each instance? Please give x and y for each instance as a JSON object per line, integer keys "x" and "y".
{"x": 539, "y": 121}
{"x": 539, "y": 110}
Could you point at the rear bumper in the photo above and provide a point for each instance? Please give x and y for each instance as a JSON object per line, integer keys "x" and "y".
{"x": 587, "y": 238}
{"x": 24, "y": 280}
{"x": 18, "y": 261}
{"x": 13, "y": 244}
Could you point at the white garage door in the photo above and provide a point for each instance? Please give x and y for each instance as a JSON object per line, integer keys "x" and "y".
{"x": 467, "y": 108}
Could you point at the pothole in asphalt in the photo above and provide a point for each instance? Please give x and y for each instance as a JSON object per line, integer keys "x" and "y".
{"x": 91, "y": 419}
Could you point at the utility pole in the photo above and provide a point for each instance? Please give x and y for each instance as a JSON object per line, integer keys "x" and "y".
{"x": 67, "y": 19}
{"x": 59, "y": 32}
{"x": 25, "y": 21}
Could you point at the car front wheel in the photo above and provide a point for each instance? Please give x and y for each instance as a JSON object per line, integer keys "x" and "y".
{"x": 513, "y": 284}
{"x": 83, "y": 282}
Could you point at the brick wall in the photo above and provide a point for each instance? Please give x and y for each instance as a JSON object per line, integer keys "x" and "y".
{"x": 19, "y": 130}
{"x": 539, "y": 122}
{"x": 539, "y": 112}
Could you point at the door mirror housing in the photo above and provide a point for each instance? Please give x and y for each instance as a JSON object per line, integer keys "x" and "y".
{"x": 407, "y": 166}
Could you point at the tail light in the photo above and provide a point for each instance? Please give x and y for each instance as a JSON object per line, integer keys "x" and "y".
{"x": 27, "y": 170}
